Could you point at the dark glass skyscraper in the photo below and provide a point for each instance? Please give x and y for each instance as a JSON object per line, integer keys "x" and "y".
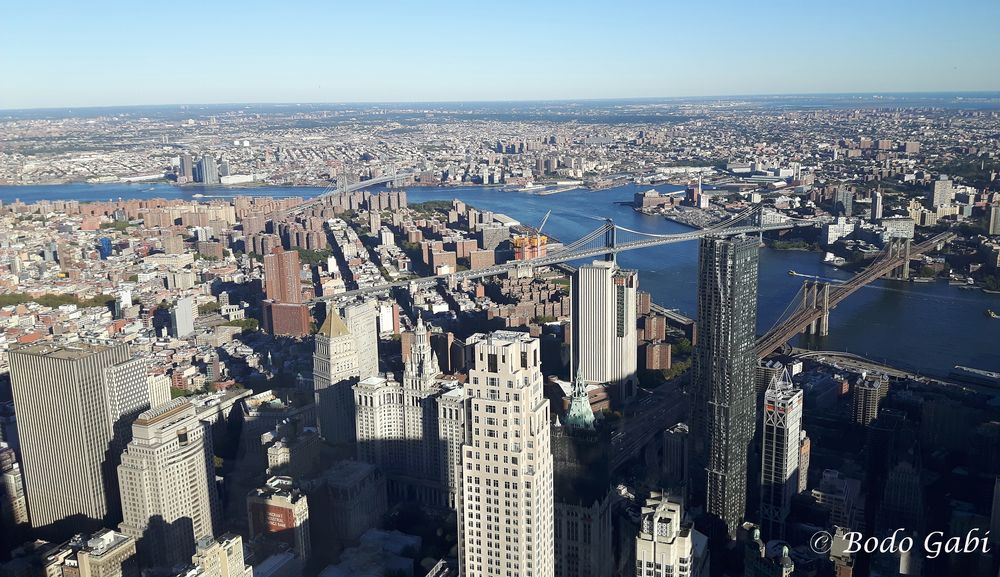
{"x": 724, "y": 403}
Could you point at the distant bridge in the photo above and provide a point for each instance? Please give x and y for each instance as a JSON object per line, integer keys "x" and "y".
{"x": 810, "y": 308}
{"x": 605, "y": 241}
{"x": 341, "y": 188}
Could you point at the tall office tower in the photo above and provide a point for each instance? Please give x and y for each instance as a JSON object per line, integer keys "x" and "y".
{"x": 182, "y": 318}
{"x": 724, "y": 408}
{"x": 760, "y": 560}
{"x": 507, "y": 459}
{"x": 668, "y": 544}
{"x": 222, "y": 557}
{"x": 159, "y": 389}
{"x": 104, "y": 554}
{"x": 582, "y": 491}
{"x": 877, "y": 206}
{"x": 284, "y": 310}
{"x": 167, "y": 478}
{"x": 869, "y": 390}
{"x": 361, "y": 318}
{"x": 279, "y": 512}
{"x": 604, "y": 326}
{"x": 902, "y": 499}
{"x": 335, "y": 370}
{"x": 780, "y": 455}
{"x": 74, "y": 406}
{"x": 208, "y": 170}
{"x": 676, "y": 458}
{"x": 413, "y": 430}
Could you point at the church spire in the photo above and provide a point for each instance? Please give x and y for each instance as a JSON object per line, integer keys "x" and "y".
{"x": 580, "y": 414}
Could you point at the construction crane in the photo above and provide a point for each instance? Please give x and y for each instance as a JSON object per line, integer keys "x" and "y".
{"x": 544, "y": 220}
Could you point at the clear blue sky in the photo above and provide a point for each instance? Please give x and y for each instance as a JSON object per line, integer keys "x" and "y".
{"x": 82, "y": 53}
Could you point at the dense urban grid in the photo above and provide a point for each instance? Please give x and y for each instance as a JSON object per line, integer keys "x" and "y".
{"x": 230, "y": 384}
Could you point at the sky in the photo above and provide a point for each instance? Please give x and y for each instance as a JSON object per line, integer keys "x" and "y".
{"x": 69, "y": 53}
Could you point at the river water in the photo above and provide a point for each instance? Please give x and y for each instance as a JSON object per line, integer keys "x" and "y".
{"x": 927, "y": 328}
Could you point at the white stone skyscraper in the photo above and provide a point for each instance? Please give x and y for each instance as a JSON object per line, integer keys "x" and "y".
{"x": 506, "y": 516}
{"x": 413, "y": 430}
{"x": 167, "y": 478}
{"x": 362, "y": 321}
{"x": 335, "y": 370}
{"x": 74, "y": 405}
{"x": 780, "y": 455}
{"x": 668, "y": 544}
{"x": 604, "y": 327}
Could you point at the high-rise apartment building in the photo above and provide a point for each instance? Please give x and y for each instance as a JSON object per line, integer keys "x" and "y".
{"x": 282, "y": 282}
{"x": 723, "y": 374}
{"x": 994, "y": 214}
{"x": 505, "y": 518}
{"x": 413, "y": 430}
{"x": 186, "y": 167}
{"x": 167, "y": 478}
{"x": 843, "y": 202}
{"x": 867, "y": 395}
{"x": 941, "y": 193}
{"x": 74, "y": 405}
{"x": 668, "y": 544}
{"x": 284, "y": 310}
{"x": 877, "y": 206}
{"x": 279, "y": 511}
{"x": 604, "y": 348}
{"x": 780, "y": 455}
{"x": 13, "y": 504}
{"x": 182, "y": 318}
{"x": 208, "y": 170}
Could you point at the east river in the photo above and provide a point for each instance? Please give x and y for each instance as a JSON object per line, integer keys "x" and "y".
{"x": 923, "y": 327}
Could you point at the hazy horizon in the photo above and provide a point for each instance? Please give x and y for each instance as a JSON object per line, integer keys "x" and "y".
{"x": 990, "y": 94}
{"x": 71, "y": 55}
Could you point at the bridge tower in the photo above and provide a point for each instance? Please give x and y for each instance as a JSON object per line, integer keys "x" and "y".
{"x": 900, "y": 248}
{"x": 757, "y": 219}
{"x": 816, "y": 295}
{"x": 609, "y": 238}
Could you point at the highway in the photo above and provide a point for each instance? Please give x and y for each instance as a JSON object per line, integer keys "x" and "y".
{"x": 662, "y": 408}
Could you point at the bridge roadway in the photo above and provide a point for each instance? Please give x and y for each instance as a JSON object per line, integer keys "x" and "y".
{"x": 805, "y": 316}
{"x": 665, "y": 406}
{"x": 560, "y": 257}
{"x": 330, "y": 191}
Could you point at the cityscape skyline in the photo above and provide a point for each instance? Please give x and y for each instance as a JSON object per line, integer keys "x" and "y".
{"x": 503, "y": 312}
{"x": 334, "y": 56}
